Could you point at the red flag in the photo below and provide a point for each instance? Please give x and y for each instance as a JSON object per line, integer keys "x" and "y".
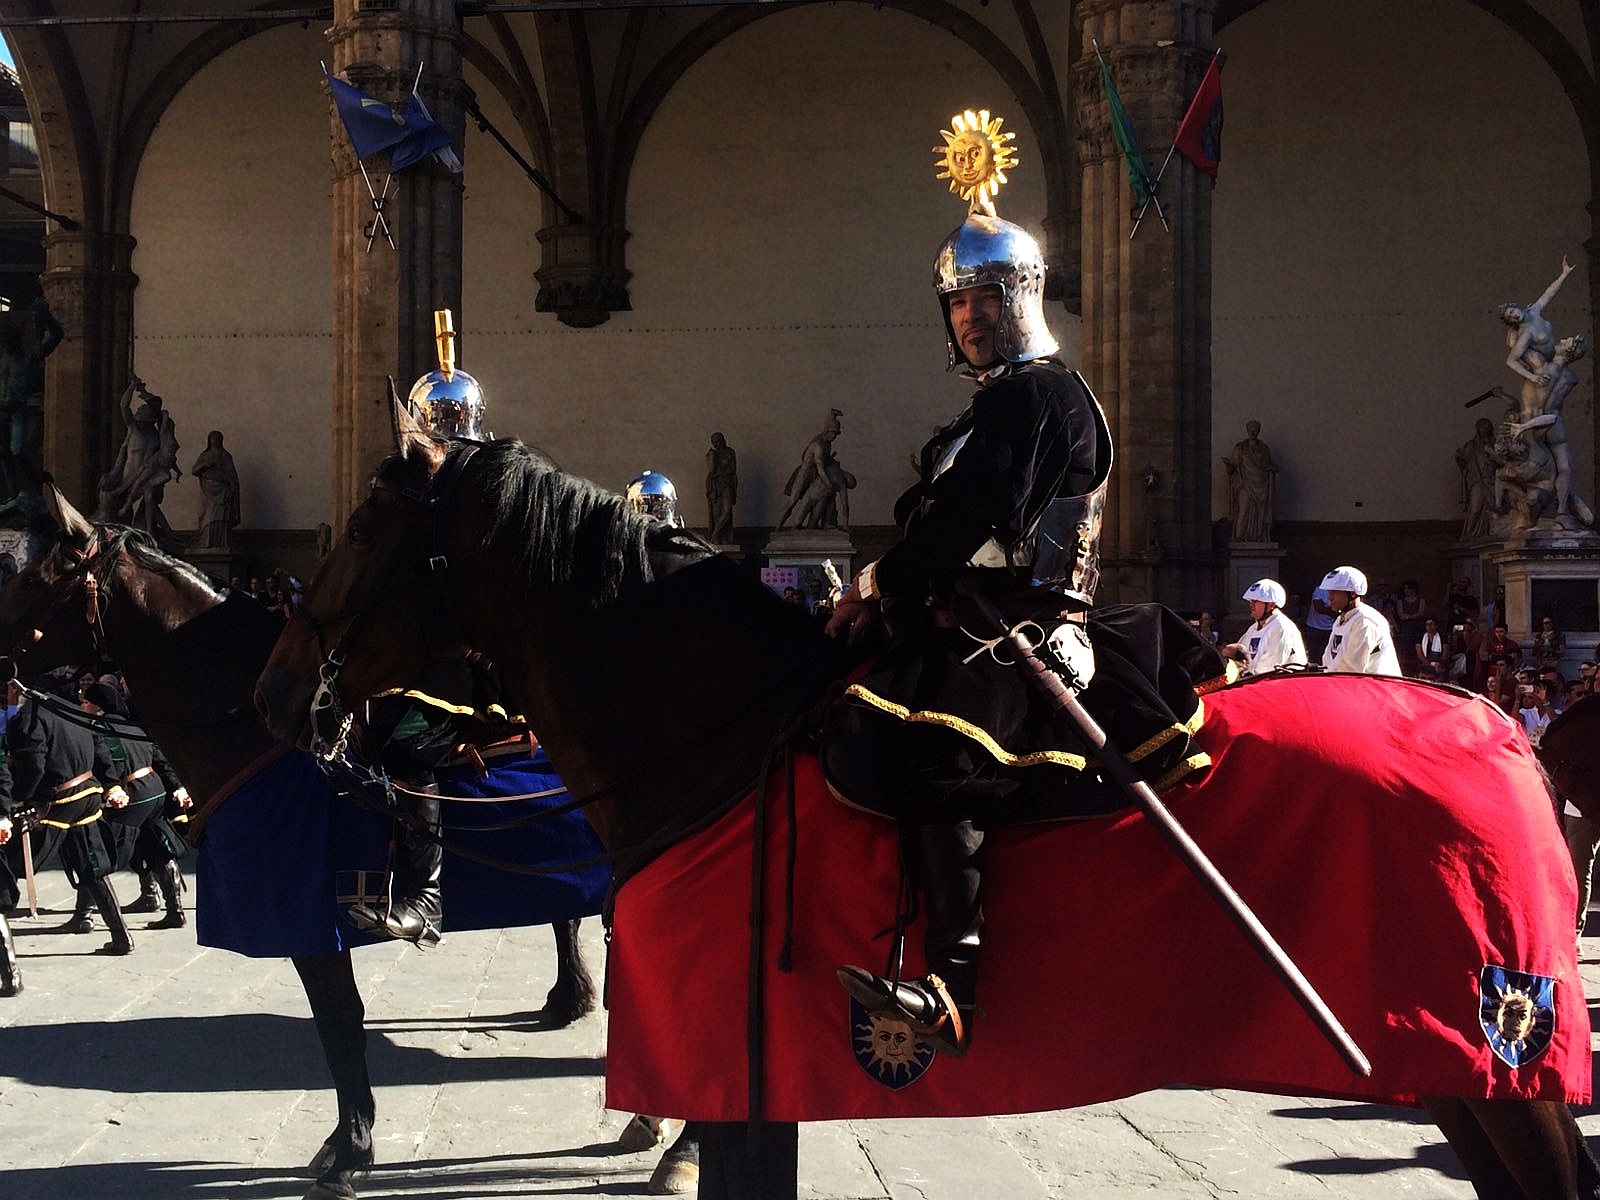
{"x": 1200, "y": 134}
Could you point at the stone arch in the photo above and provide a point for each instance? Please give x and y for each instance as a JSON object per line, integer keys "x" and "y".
{"x": 1041, "y": 102}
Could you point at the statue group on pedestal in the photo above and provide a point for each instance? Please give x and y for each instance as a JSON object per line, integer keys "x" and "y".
{"x": 131, "y": 492}
{"x": 1524, "y": 472}
{"x": 819, "y": 488}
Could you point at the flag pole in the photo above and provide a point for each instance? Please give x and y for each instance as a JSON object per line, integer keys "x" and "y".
{"x": 379, "y": 221}
{"x": 1129, "y": 157}
{"x": 1155, "y": 184}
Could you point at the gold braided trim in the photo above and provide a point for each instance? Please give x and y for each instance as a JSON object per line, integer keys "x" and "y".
{"x": 1195, "y": 762}
{"x": 1229, "y": 675}
{"x": 976, "y": 732}
{"x": 1076, "y": 762}
{"x": 463, "y": 710}
{"x": 1188, "y": 729}
{"x": 71, "y": 824}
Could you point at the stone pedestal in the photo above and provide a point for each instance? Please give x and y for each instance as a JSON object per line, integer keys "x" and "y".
{"x": 1553, "y": 572}
{"x": 806, "y": 549}
{"x": 1248, "y": 562}
{"x": 220, "y": 564}
{"x": 21, "y": 545}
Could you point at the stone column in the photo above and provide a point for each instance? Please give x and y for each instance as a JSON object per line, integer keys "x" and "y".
{"x": 88, "y": 280}
{"x": 1147, "y": 302}
{"x": 383, "y": 300}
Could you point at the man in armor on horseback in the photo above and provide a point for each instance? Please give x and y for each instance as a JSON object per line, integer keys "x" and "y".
{"x": 1008, "y": 507}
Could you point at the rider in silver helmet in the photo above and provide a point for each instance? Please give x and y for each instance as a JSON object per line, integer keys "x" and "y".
{"x": 412, "y": 732}
{"x": 652, "y": 493}
{"x": 1008, "y": 504}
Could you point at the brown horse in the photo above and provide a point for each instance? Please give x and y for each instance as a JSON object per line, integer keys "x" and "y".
{"x": 1570, "y": 752}
{"x": 656, "y": 673}
{"x": 198, "y": 704}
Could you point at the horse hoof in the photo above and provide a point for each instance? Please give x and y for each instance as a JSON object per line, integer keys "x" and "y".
{"x": 646, "y": 1133}
{"x": 674, "y": 1178}
{"x": 322, "y": 1160}
{"x": 321, "y": 1190}
{"x": 561, "y": 1011}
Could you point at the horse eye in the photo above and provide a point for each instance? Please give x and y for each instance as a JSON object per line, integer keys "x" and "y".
{"x": 358, "y": 535}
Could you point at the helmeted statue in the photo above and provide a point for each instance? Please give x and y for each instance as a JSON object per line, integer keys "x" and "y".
{"x": 944, "y": 732}
{"x": 819, "y": 488}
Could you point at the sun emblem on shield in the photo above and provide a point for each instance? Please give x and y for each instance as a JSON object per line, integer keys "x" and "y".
{"x": 1517, "y": 1012}
{"x": 886, "y": 1047}
{"x": 975, "y": 157}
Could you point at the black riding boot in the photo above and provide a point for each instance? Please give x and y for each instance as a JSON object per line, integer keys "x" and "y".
{"x": 10, "y": 971}
{"x": 945, "y": 863}
{"x": 80, "y": 921}
{"x": 414, "y": 912}
{"x": 170, "y": 878}
{"x": 148, "y": 901}
{"x": 105, "y": 899}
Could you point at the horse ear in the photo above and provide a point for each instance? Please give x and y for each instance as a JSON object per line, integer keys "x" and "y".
{"x": 411, "y": 437}
{"x": 74, "y": 526}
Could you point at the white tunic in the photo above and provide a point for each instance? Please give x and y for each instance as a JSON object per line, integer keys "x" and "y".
{"x": 1273, "y": 643}
{"x": 1361, "y": 642}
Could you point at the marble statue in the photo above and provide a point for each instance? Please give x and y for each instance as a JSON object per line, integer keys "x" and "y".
{"x": 722, "y": 488}
{"x": 1477, "y": 461}
{"x": 819, "y": 488}
{"x": 1537, "y": 418}
{"x": 132, "y": 490}
{"x": 1253, "y": 481}
{"x": 219, "y": 494}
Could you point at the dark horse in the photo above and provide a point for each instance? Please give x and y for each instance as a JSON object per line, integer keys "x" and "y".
{"x": 199, "y": 707}
{"x": 657, "y": 673}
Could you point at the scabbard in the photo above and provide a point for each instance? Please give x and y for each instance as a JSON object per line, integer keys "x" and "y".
{"x": 27, "y": 873}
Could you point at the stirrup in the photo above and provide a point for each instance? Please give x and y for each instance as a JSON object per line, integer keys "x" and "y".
{"x": 947, "y": 1030}
{"x": 369, "y": 920}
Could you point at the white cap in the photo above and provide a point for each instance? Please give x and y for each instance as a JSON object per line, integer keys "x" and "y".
{"x": 1345, "y": 579}
{"x": 1268, "y": 590}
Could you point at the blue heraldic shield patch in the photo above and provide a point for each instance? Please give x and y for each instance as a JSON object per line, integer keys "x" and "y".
{"x": 1517, "y": 1012}
{"x": 886, "y": 1048}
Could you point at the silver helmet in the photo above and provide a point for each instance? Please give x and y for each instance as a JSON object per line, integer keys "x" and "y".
{"x": 451, "y": 404}
{"x": 991, "y": 250}
{"x": 448, "y": 401}
{"x": 652, "y": 493}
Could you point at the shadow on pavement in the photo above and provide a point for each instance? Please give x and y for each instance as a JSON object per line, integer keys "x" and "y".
{"x": 460, "y": 1179}
{"x": 260, "y": 1051}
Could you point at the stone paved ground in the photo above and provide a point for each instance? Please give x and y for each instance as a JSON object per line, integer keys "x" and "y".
{"x": 180, "y": 1074}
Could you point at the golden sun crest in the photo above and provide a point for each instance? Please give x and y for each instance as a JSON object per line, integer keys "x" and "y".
{"x": 975, "y": 158}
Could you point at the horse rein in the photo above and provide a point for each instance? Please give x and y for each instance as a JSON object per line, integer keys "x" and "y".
{"x": 331, "y": 743}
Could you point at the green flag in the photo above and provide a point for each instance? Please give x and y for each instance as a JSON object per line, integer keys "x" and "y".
{"x": 1127, "y": 140}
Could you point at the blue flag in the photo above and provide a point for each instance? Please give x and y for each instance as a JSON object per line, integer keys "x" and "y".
{"x": 423, "y": 137}
{"x": 372, "y": 125}
{"x": 1127, "y": 140}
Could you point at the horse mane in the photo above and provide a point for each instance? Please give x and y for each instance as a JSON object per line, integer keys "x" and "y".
{"x": 565, "y": 531}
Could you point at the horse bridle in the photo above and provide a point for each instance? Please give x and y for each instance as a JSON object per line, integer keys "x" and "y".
{"x": 329, "y": 743}
{"x": 109, "y": 548}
